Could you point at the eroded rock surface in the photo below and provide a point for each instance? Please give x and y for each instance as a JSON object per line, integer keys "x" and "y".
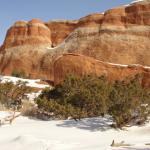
{"x": 82, "y": 65}
{"x": 120, "y": 35}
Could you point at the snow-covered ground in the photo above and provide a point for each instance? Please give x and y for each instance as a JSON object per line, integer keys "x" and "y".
{"x": 87, "y": 134}
{"x": 30, "y": 82}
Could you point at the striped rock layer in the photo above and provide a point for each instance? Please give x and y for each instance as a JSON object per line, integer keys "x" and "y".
{"x": 120, "y": 35}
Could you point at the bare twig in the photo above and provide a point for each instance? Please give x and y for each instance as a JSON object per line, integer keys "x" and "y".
{"x": 119, "y": 144}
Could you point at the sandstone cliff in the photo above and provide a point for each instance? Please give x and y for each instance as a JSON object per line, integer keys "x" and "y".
{"x": 120, "y": 35}
{"x": 60, "y": 30}
{"x": 33, "y": 32}
{"x": 81, "y": 65}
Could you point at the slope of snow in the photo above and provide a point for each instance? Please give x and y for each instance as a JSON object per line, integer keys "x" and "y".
{"x": 87, "y": 134}
{"x": 30, "y": 82}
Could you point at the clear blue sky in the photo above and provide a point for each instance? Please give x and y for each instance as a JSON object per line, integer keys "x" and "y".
{"x": 13, "y": 10}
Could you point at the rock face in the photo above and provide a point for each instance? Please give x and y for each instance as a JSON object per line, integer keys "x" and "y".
{"x": 120, "y": 35}
{"x": 28, "y": 59}
{"x": 81, "y": 65}
{"x": 24, "y": 49}
{"x": 60, "y": 30}
{"x": 33, "y": 32}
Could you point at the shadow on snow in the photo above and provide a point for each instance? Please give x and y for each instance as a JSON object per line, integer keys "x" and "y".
{"x": 91, "y": 124}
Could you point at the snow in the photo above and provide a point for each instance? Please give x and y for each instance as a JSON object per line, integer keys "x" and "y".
{"x": 87, "y": 134}
{"x": 135, "y": 1}
{"x": 146, "y": 67}
{"x": 124, "y": 65}
{"x": 33, "y": 95}
{"x": 30, "y": 82}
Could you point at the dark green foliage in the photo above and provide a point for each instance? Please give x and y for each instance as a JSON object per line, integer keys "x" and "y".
{"x": 11, "y": 94}
{"x": 18, "y": 73}
{"x": 87, "y": 95}
{"x": 90, "y": 96}
{"x": 129, "y": 102}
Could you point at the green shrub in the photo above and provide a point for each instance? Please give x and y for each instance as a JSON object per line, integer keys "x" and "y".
{"x": 129, "y": 102}
{"x": 18, "y": 73}
{"x": 88, "y": 96}
{"x": 11, "y": 95}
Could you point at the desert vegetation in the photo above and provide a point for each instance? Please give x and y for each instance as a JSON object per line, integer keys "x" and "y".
{"x": 19, "y": 73}
{"x": 11, "y": 95}
{"x": 88, "y": 96}
{"x": 126, "y": 101}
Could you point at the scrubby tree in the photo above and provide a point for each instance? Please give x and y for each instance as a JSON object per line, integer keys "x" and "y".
{"x": 19, "y": 73}
{"x": 129, "y": 102}
{"x": 89, "y": 96}
{"x": 11, "y": 94}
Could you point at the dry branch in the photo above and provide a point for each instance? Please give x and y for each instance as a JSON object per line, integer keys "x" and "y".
{"x": 119, "y": 144}
{"x": 9, "y": 119}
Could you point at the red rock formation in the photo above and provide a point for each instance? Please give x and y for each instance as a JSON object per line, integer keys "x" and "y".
{"x": 81, "y": 65}
{"x": 60, "y": 30}
{"x": 120, "y": 35}
{"x": 92, "y": 20}
{"x": 33, "y": 32}
{"x": 29, "y": 59}
{"x": 138, "y": 13}
{"x": 24, "y": 49}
